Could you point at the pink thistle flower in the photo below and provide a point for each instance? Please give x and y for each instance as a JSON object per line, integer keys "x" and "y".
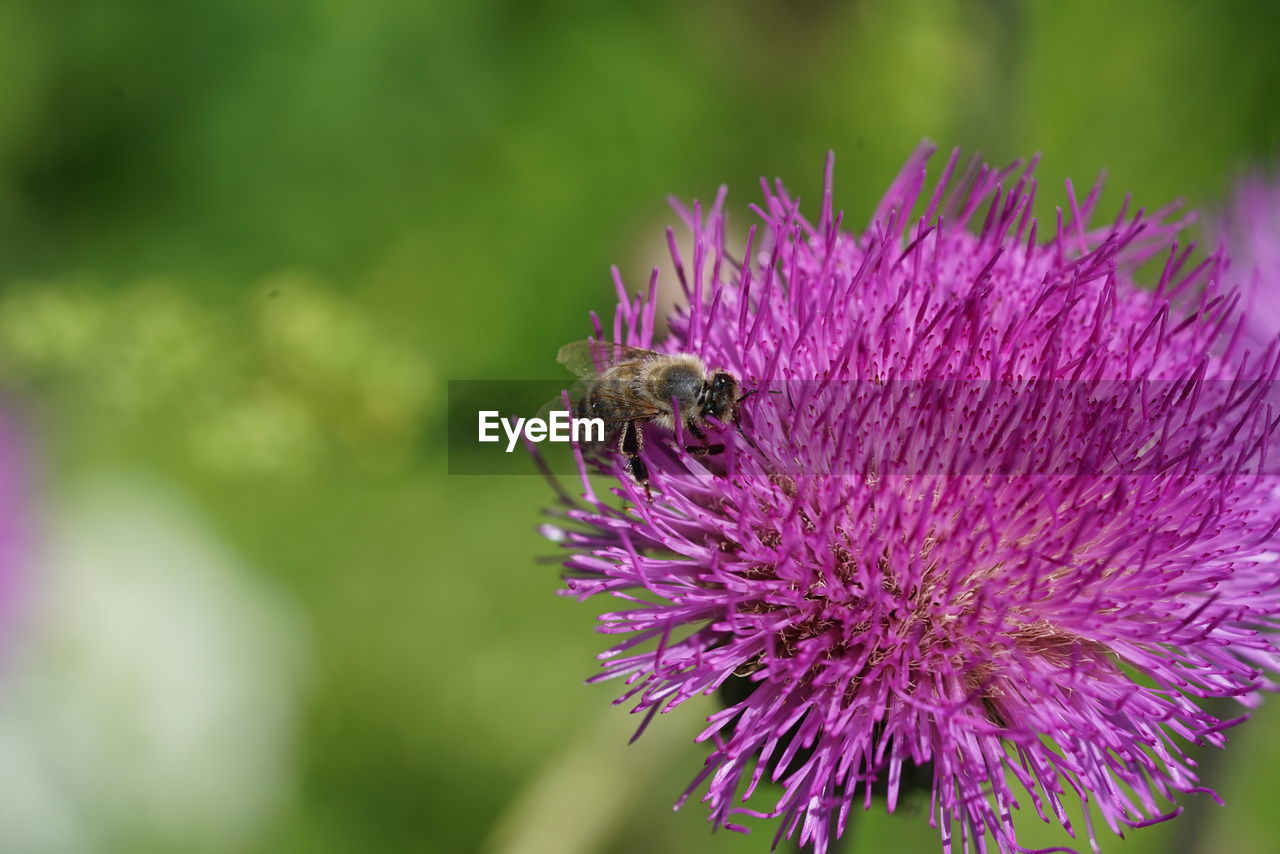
{"x": 1007, "y": 521}
{"x": 1250, "y": 230}
{"x": 16, "y": 524}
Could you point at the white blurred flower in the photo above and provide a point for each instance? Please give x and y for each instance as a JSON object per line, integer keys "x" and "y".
{"x": 154, "y": 697}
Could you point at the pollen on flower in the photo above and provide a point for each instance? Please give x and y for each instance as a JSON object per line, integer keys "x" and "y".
{"x": 998, "y": 529}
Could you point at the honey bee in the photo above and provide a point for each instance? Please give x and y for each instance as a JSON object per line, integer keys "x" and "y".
{"x": 627, "y": 387}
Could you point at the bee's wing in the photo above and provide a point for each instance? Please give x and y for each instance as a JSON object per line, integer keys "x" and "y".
{"x": 558, "y": 404}
{"x": 592, "y": 356}
{"x": 627, "y": 407}
{"x": 569, "y": 398}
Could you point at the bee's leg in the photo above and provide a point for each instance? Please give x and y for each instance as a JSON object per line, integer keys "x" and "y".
{"x": 631, "y": 444}
{"x": 700, "y": 450}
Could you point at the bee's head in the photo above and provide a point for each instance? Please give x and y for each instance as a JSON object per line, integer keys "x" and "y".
{"x": 722, "y": 397}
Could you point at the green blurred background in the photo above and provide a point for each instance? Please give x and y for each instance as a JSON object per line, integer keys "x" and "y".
{"x": 243, "y": 245}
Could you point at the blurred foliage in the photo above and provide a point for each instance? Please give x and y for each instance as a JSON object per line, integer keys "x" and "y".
{"x": 444, "y": 185}
{"x": 292, "y": 376}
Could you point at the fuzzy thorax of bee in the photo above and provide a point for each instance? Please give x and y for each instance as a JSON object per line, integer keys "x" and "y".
{"x": 627, "y": 387}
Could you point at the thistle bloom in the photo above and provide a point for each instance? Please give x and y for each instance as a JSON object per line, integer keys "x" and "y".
{"x": 1250, "y": 230}
{"x": 15, "y": 523}
{"x": 1007, "y": 521}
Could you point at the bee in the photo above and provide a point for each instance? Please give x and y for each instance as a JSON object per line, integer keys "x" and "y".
{"x": 627, "y": 387}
